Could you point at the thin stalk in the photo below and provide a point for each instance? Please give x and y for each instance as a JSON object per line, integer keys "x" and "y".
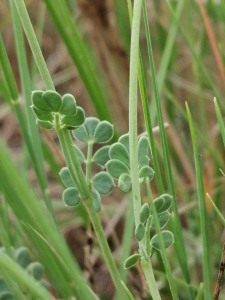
{"x": 203, "y": 213}
{"x": 179, "y": 241}
{"x": 150, "y": 278}
{"x": 105, "y": 249}
{"x": 133, "y": 109}
{"x": 32, "y": 40}
{"x": 89, "y": 164}
{"x": 216, "y": 210}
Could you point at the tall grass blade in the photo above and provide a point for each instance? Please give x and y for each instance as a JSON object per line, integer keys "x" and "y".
{"x": 203, "y": 213}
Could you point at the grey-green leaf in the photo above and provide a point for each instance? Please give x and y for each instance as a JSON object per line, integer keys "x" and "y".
{"x": 144, "y": 162}
{"x": 66, "y": 177}
{"x": 115, "y": 168}
{"x": 143, "y": 146}
{"x": 36, "y": 270}
{"x": 76, "y": 120}
{"x": 119, "y": 151}
{"x": 90, "y": 124}
{"x": 96, "y": 201}
{"x": 146, "y": 172}
{"x": 39, "y": 102}
{"x": 168, "y": 239}
{"x": 53, "y": 100}
{"x": 124, "y": 139}
{"x": 103, "y": 132}
{"x": 45, "y": 124}
{"x": 131, "y": 260}
{"x": 22, "y": 256}
{"x": 144, "y": 213}
{"x": 43, "y": 115}
{"x": 102, "y": 156}
{"x": 103, "y": 183}
{"x": 163, "y": 219}
{"x": 163, "y": 203}
{"x": 140, "y": 232}
{"x": 68, "y": 107}
{"x": 124, "y": 182}
{"x": 71, "y": 196}
{"x": 81, "y": 134}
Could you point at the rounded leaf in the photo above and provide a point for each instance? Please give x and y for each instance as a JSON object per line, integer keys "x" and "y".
{"x": 81, "y": 134}
{"x": 124, "y": 182}
{"x": 103, "y": 132}
{"x": 90, "y": 124}
{"x": 53, "y": 100}
{"x": 71, "y": 196}
{"x": 43, "y": 115}
{"x": 102, "y": 156}
{"x": 163, "y": 203}
{"x": 131, "y": 260}
{"x": 39, "y": 102}
{"x": 146, "y": 172}
{"x": 119, "y": 151}
{"x": 75, "y": 121}
{"x": 45, "y": 124}
{"x": 143, "y": 146}
{"x": 35, "y": 269}
{"x": 144, "y": 213}
{"x": 140, "y": 232}
{"x": 115, "y": 168}
{"x": 96, "y": 201}
{"x": 124, "y": 140}
{"x": 103, "y": 183}
{"x": 144, "y": 162}
{"x": 66, "y": 177}
{"x": 22, "y": 257}
{"x": 68, "y": 107}
{"x": 168, "y": 240}
{"x": 6, "y": 296}
{"x": 163, "y": 219}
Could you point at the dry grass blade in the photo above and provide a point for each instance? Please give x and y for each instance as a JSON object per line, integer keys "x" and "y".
{"x": 220, "y": 276}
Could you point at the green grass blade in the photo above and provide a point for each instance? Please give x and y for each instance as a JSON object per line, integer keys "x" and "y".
{"x": 166, "y": 55}
{"x": 203, "y": 213}
{"x": 216, "y": 210}
{"x": 177, "y": 230}
{"x": 66, "y": 28}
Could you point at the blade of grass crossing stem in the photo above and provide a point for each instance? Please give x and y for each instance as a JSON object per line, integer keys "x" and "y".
{"x": 59, "y": 265}
{"x": 26, "y": 87}
{"x": 11, "y": 270}
{"x": 79, "y": 54}
{"x": 146, "y": 111}
{"x": 166, "y": 55}
{"x": 220, "y": 121}
{"x": 9, "y": 79}
{"x": 203, "y": 213}
{"x": 179, "y": 241}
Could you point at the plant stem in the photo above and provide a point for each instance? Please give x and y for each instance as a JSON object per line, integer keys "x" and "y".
{"x": 133, "y": 109}
{"x": 105, "y": 249}
{"x": 150, "y": 278}
{"x": 89, "y": 164}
